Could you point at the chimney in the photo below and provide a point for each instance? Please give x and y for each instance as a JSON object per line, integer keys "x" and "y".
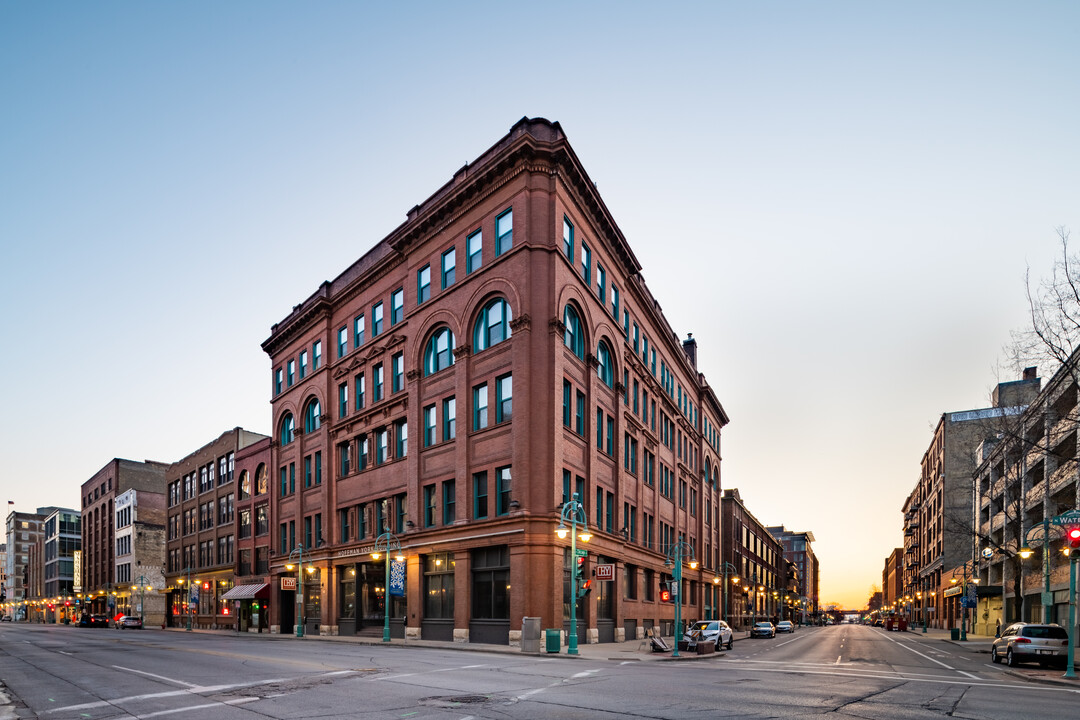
{"x": 689, "y": 347}
{"x": 1030, "y": 373}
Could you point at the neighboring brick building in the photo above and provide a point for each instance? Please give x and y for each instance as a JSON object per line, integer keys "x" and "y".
{"x": 892, "y": 579}
{"x": 506, "y": 323}
{"x": 200, "y": 550}
{"x": 939, "y": 522}
{"x": 23, "y": 532}
{"x": 140, "y": 555}
{"x": 798, "y": 550}
{"x": 251, "y": 594}
{"x": 758, "y": 559}
{"x": 99, "y": 588}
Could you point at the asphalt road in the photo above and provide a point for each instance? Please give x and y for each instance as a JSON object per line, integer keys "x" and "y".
{"x": 843, "y": 671}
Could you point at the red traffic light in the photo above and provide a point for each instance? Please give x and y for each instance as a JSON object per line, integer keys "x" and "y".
{"x": 1073, "y": 536}
{"x": 665, "y": 596}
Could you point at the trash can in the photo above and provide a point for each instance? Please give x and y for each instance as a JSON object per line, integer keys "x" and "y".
{"x": 954, "y": 634}
{"x": 530, "y": 635}
{"x": 552, "y": 640}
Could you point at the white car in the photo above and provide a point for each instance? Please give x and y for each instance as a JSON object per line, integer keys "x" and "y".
{"x": 763, "y": 629}
{"x": 785, "y": 626}
{"x": 717, "y": 631}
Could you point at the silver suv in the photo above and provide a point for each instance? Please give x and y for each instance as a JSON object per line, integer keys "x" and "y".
{"x": 1028, "y": 642}
{"x": 714, "y": 630}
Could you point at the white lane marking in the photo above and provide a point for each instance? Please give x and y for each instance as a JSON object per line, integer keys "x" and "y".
{"x": 838, "y": 659}
{"x": 587, "y": 673}
{"x": 901, "y": 678}
{"x": 234, "y": 701}
{"x": 790, "y": 641}
{"x": 156, "y": 677}
{"x": 922, "y": 655}
{"x": 973, "y": 677}
{"x": 449, "y": 669}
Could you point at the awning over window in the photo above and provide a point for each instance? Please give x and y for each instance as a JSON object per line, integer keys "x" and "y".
{"x": 248, "y": 592}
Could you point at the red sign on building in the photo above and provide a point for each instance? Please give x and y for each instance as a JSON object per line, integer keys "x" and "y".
{"x": 288, "y": 582}
{"x": 605, "y": 572}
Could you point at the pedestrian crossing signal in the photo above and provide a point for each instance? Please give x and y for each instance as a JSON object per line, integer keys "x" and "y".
{"x": 665, "y": 593}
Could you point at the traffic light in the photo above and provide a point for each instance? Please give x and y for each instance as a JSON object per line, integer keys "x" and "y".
{"x": 665, "y": 592}
{"x": 584, "y": 586}
{"x": 1072, "y": 536}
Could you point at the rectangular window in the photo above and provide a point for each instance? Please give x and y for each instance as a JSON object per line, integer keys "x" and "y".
{"x": 423, "y": 284}
{"x": 566, "y": 395}
{"x": 480, "y": 407}
{"x": 397, "y": 306}
{"x": 429, "y": 506}
{"x": 382, "y": 445}
{"x": 610, "y": 447}
{"x": 579, "y": 414}
{"x": 303, "y": 363}
{"x": 377, "y": 383}
{"x": 344, "y": 454}
{"x": 626, "y": 324}
{"x": 601, "y": 280}
{"x": 318, "y": 467}
{"x": 397, "y": 373}
{"x": 599, "y": 508}
{"x": 401, "y": 437}
{"x": 636, "y": 339}
{"x": 565, "y": 486}
{"x": 343, "y": 399}
{"x": 376, "y": 319}
{"x": 480, "y": 507}
{"x": 599, "y": 429}
{"x": 449, "y": 510}
{"x": 343, "y": 523}
{"x": 568, "y": 239}
{"x": 635, "y": 396}
{"x": 609, "y": 512}
{"x": 474, "y": 246}
{"x": 504, "y": 398}
{"x": 307, "y": 471}
{"x": 359, "y": 384}
{"x": 343, "y": 341}
{"x": 449, "y": 422}
{"x": 502, "y": 490}
{"x": 358, "y": 331}
{"x": 316, "y": 355}
{"x": 362, "y": 460}
{"x": 504, "y": 232}
{"x": 429, "y": 426}
{"x": 449, "y": 266}
{"x": 278, "y": 376}
{"x": 615, "y": 301}
{"x": 291, "y": 375}
{"x": 586, "y": 264}
{"x": 362, "y": 521}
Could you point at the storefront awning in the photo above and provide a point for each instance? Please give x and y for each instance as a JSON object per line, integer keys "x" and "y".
{"x": 247, "y": 592}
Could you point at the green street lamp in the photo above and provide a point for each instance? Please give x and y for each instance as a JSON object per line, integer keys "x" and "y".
{"x": 679, "y": 551}
{"x": 1026, "y": 552}
{"x": 574, "y": 513}
{"x": 1070, "y": 524}
{"x": 963, "y": 595}
{"x": 385, "y": 544}
{"x": 141, "y": 581}
{"x": 726, "y": 570}
{"x": 299, "y": 552}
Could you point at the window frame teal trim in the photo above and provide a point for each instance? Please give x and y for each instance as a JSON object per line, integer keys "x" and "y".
{"x": 482, "y": 329}
{"x": 359, "y": 328}
{"x": 316, "y": 355}
{"x": 430, "y": 421}
{"x": 397, "y": 373}
{"x": 290, "y": 373}
{"x": 437, "y": 359}
{"x": 423, "y": 289}
{"x": 343, "y": 341}
{"x": 397, "y": 306}
{"x": 286, "y": 436}
{"x": 449, "y": 421}
{"x": 429, "y": 505}
{"x": 480, "y": 411}
{"x": 500, "y": 247}
{"x": 343, "y": 399}
{"x": 377, "y": 319}
{"x": 377, "y": 379}
{"x": 504, "y": 404}
{"x": 601, "y": 284}
{"x": 359, "y": 390}
{"x": 312, "y": 415}
{"x": 605, "y": 368}
{"x": 472, "y": 265}
{"x": 586, "y": 264}
{"x": 568, "y": 239}
{"x": 448, "y": 272}
{"x": 479, "y": 482}
{"x": 503, "y": 483}
{"x": 574, "y": 335}
{"x": 449, "y": 500}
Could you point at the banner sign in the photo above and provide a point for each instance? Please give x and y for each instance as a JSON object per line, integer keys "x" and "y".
{"x": 397, "y": 578}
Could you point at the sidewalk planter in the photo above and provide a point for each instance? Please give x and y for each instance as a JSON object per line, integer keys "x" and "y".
{"x": 707, "y": 647}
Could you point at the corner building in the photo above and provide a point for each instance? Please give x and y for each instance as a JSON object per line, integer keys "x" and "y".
{"x": 496, "y": 354}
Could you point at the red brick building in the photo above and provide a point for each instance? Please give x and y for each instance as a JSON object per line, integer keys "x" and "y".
{"x": 506, "y": 324}
{"x": 200, "y": 551}
{"x": 756, "y": 558}
{"x": 251, "y": 594}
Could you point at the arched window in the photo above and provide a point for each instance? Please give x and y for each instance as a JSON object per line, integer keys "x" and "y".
{"x": 716, "y": 476}
{"x": 605, "y": 370}
{"x": 574, "y": 337}
{"x": 493, "y": 325}
{"x": 288, "y": 429}
{"x": 312, "y": 416}
{"x": 261, "y": 485}
{"x": 439, "y": 353}
{"x": 245, "y": 486}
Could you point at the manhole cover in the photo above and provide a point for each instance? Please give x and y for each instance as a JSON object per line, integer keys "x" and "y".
{"x": 455, "y": 700}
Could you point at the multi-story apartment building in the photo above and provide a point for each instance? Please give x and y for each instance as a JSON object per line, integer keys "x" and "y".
{"x": 62, "y": 538}
{"x": 758, "y": 561}
{"x": 892, "y": 580}
{"x": 939, "y": 523}
{"x": 23, "y": 531}
{"x": 798, "y": 549}
{"x": 251, "y": 594}
{"x": 1026, "y": 476}
{"x": 100, "y": 589}
{"x": 139, "y": 527}
{"x": 495, "y": 356}
{"x": 201, "y": 532}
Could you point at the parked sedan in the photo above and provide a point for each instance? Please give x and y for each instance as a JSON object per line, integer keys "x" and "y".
{"x": 129, "y": 621}
{"x": 96, "y": 620}
{"x": 763, "y": 629}
{"x": 717, "y": 631}
{"x": 1028, "y": 642}
{"x": 785, "y": 626}
{"x": 5, "y": 618}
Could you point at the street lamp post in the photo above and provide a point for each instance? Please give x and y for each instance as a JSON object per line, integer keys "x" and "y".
{"x": 141, "y": 581}
{"x": 299, "y": 552}
{"x": 727, "y": 569}
{"x": 675, "y": 555}
{"x": 388, "y": 542}
{"x": 963, "y": 594}
{"x": 1026, "y": 552}
{"x": 574, "y": 513}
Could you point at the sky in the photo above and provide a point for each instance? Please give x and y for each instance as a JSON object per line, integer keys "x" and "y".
{"x": 840, "y": 200}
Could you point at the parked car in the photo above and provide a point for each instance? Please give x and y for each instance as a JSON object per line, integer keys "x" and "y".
{"x": 1030, "y": 642}
{"x": 6, "y": 618}
{"x": 717, "y": 631}
{"x": 129, "y": 621}
{"x": 785, "y": 626}
{"x": 763, "y": 629}
{"x": 96, "y": 620}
